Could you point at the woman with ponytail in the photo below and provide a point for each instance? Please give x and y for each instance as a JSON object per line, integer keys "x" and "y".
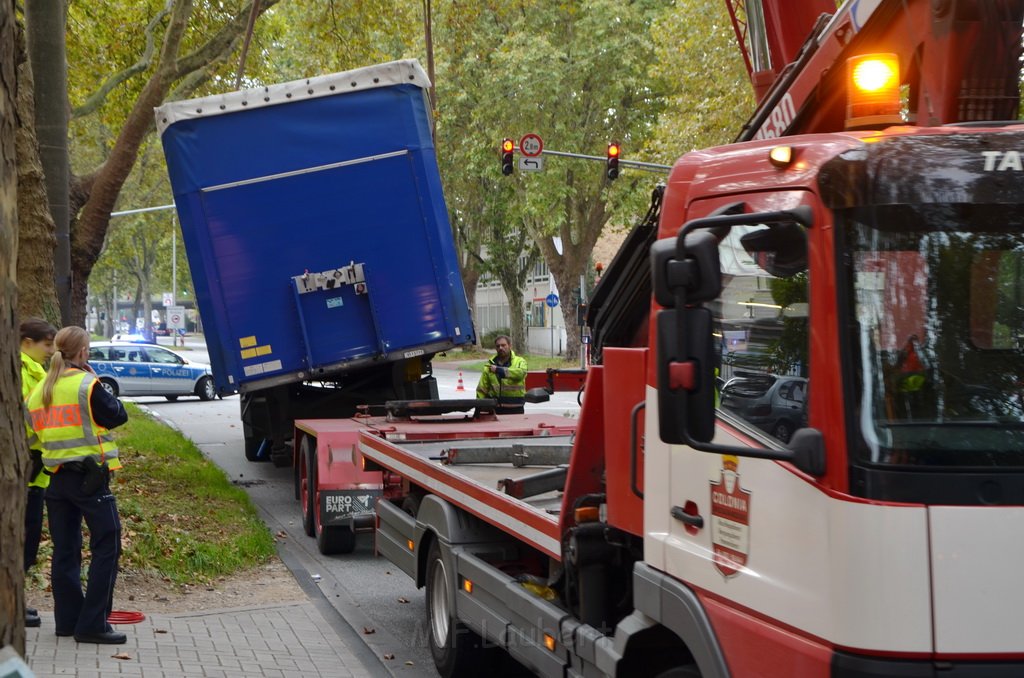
{"x": 71, "y": 414}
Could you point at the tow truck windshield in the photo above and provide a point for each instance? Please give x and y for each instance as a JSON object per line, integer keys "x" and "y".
{"x": 937, "y": 339}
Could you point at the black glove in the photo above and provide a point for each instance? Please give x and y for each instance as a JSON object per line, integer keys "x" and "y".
{"x": 37, "y": 464}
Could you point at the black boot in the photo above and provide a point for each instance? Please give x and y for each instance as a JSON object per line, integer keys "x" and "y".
{"x": 32, "y": 619}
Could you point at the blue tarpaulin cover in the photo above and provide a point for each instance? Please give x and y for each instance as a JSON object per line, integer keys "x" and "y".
{"x": 308, "y": 178}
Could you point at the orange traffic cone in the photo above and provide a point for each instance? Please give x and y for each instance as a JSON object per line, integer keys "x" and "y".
{"x": 460, "y": 387}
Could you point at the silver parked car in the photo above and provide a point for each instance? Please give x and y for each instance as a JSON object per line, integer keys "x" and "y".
{"x": 774, "y": 404}
{"x": 131, "y": 369}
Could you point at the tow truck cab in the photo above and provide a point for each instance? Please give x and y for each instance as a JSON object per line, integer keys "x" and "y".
{"x": 888, "y": 271}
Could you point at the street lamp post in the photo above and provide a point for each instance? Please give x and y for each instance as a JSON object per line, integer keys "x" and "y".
{"x": 174, "y": 275}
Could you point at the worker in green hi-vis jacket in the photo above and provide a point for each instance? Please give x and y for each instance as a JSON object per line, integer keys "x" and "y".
{"x": 504, "y": 378}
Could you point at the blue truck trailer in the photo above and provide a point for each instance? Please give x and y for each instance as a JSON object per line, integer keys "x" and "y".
{"x": 319, "y": 244}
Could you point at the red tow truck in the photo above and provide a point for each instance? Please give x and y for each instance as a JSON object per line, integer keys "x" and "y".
{"x": 800, "y": 450}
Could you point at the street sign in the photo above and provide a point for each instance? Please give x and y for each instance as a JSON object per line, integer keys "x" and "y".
{"x": 531, "y": 164}
{"x": 551, "y": 300}
{"x": 168, "y": 299}
{"x": 531, "y": 145}
{"x": 176, "y": 317}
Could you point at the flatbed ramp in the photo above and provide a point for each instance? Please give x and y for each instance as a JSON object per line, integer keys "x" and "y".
{"x": 521, "y": 496}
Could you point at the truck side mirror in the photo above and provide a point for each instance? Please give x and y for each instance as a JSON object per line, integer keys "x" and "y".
{"x": 689, "y": 266}
{"x": 686, "y": 376}
{"x": 685, "y": 274}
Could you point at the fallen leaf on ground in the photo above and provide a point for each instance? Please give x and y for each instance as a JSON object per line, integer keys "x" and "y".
{"x": 368, "y": 630}
{"x": 389, "y": 656}
{"x": 159, "y": 630}
{"x": 403, "y": 600}
{"x": 121, "y": 655}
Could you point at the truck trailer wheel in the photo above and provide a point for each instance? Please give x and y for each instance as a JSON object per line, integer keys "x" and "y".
{"x": 457, "y": 651}
{"x": 252, "y": 448}
{"x": 335, "y": 539}
{"x": 307, "y": 484}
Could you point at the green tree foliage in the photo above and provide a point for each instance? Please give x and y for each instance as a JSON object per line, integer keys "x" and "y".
{"x": 575, "y": 73}
{"x": 709, "y": 96}
{"x": 302, "y": 39}
{"x": 579, "y": 73}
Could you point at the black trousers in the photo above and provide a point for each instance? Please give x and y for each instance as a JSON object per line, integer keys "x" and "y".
{"x": 33, "y": 524}
{"x": 66, "y": 504}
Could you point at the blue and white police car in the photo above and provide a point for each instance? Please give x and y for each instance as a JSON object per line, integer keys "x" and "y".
{"x": 130, "y": 369}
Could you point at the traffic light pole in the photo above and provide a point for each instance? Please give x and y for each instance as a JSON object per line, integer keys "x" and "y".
{"x": 647, "y": 166}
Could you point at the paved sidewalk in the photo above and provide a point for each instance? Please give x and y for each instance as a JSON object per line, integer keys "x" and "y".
{"x": 273, "y": 641}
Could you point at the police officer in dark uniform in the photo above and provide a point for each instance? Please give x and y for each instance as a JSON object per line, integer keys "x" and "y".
{"x": 71, "y": 413}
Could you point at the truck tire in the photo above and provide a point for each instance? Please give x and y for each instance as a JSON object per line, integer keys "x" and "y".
{"x": 334, "y": 540}
{"x": 411, "y": 504}
{"x": 252, "y": 449}
{"x": 307, "y": 484}
{"x": 457, "y": 651}
{"x": 281, "y": 453}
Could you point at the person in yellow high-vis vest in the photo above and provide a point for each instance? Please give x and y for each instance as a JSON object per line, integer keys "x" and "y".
{"x": 504, "y": 378}
{"x": 71, "y": 413}
{"x": 36, "y": 348}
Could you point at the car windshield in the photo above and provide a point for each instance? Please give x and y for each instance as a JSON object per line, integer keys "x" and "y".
{"x": 938, "y": 332}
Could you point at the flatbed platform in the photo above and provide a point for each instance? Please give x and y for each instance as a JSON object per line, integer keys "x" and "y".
{"x": 420, "y": 452}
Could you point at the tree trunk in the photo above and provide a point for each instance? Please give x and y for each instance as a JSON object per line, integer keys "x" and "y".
{"x": 584, "y": 221}
{"x": 91, "y": 228}
{"x": 470, "y": 278}
{"x": 36, "y": 241}
{"x": 567, "y": 282}
{"x": 516, "y": 319}
{"x": 45, "y": 23}
{"x": 13, "y": 452}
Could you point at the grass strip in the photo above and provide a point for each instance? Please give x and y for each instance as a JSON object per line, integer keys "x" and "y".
{"x": 181, "y": 517}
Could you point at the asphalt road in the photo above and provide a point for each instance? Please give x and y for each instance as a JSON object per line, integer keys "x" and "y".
{"x": 381, "y": 605}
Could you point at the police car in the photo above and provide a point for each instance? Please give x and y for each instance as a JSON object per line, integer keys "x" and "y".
{"x": 130, "y": 369}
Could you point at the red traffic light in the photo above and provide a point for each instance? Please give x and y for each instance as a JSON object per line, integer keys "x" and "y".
{"x": 612, "y": 164}
{"x": 507, "y": 148}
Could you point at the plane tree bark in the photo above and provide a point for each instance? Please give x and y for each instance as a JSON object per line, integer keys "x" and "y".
{"x": 36, "y": 240}
{"x": 13, "y": 455}
{"x": 48, "y": 80}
